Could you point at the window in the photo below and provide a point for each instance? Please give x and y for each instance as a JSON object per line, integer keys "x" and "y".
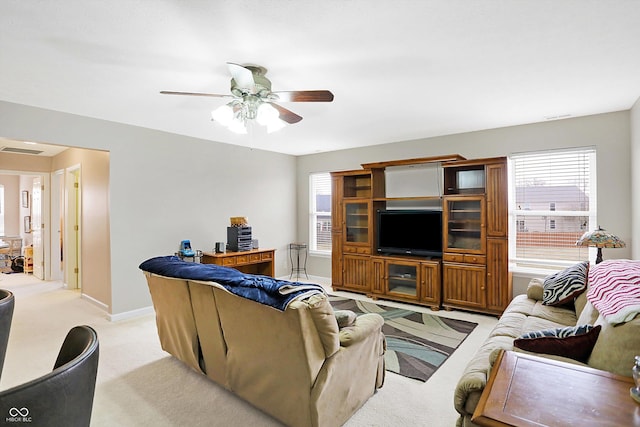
{"x": 554, "y": 193}
{"x": 320, "y": 212}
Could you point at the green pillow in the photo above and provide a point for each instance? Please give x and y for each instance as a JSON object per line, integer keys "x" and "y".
{"x": 345, "y": 317}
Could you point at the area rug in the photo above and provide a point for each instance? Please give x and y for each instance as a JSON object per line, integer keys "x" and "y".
{"x": 417, "y": 343}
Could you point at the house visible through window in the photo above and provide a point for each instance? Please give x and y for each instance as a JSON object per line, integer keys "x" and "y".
{"x": 320, "y": 212}
{"x": 554, "y": 194}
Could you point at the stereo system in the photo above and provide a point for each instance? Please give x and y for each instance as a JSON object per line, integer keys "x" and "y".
{"x": 239, "y": 238}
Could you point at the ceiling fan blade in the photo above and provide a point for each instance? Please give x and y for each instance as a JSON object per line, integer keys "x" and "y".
{"x": 305, "y": 96}
{"x": 286, "y": 115}
{"x": 213, "y": 95}
{"x": 242, "y": 75}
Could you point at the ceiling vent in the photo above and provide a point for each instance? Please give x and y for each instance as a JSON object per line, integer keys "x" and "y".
{"x": 20, "y": 150}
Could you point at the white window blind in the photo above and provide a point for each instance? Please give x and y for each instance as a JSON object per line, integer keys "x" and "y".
{"x": 320, "y": 212}
{"x": 552, "y": 203}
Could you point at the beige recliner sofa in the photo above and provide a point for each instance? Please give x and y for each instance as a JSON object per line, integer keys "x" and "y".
{"x": 614, "y": 349}
{"x": 295, "y": 365}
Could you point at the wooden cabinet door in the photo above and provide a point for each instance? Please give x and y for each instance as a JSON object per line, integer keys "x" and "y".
{"x": 377, "y": 275}
{"x": 336, "y": 230}
{"x": 430, "y": 285}
{"x": 402, "y": 278}
{"x": 358, "y": 224}
{"x": 464, "y": 224}
{"x": 497, "y": 200}
{"x": 357, "y": 272}
{"x": 498, "y": 283}
{"x": 464, "y": 285}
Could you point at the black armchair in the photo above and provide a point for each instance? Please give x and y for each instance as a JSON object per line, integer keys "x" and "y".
{"x": 7, "y": 302}
{"x": 63, "y": 397}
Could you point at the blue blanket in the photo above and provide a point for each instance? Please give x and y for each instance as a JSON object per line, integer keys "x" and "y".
{"x": 263, "y": 289}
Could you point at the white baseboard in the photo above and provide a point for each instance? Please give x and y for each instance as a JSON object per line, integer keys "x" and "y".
{"x": 144, "y": 311}
{"x": 94, "y": 301}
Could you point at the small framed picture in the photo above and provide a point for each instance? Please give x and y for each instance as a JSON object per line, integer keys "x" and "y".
{"x": 25, "y": 199}
{"x": 27, "y": 224}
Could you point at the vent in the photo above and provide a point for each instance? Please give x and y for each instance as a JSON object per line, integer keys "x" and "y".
{"x": 20, "y": 150}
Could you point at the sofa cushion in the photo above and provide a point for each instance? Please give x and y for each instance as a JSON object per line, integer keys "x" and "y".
{"x": 575, "y": 342}
{"x": 562, "y": 287}
{"x": 535, "y": 289}
{"x": 616, "y": 346}
{"x": 589, "y": 314}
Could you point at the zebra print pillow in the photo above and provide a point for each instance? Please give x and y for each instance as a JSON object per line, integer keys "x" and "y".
{"x": 574, "y": 342}
{"x": 562, "y": 287}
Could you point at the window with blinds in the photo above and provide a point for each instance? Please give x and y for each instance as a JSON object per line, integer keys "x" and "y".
{"x": 320, "y": 212}
{"x": 552, "y": 203}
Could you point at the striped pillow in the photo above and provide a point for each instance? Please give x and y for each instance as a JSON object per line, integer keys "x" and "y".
{"x": 562, "y": 287}
{"x": 574, "y": 342}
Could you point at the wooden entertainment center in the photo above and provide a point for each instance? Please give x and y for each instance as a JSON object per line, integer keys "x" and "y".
{"x": 471, "y": 273}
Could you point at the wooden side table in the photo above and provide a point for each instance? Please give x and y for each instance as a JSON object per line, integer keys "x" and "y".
{"x": 527, "y": 390}
{"x": 255, "y": 261}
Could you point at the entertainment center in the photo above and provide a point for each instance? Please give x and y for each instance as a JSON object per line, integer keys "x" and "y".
{"x": 431, "y": 231}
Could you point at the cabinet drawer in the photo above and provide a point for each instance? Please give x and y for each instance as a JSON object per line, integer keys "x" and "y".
{"x": 475, "y": 259}
{"x": 229, "y": 260}
{"x": 242, "y": 259}
{"x": 254, "y": 257}
{"x": 266, "y": 255}
{"x": 464, "y": 258}
{"x": 356, "y": 250}
{"x": 453, "y": 257}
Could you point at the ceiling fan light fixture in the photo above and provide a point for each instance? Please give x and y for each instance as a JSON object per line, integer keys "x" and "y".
{"x": 275, "y": 125}
{"x": 266, "y": 114}
{"x": 223, "y": 114}
{"x": 254, "y": 100}
{"x": 237, "y": 125}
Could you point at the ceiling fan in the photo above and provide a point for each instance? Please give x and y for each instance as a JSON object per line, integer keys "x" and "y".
{"x": 253, "y": 99}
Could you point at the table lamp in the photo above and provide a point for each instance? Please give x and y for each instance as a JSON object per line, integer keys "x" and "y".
{"x": 600, "y": 239}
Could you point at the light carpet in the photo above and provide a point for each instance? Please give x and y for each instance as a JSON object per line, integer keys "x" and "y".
{"x": 417, "y": 343}
{"x": 140, "y": 385}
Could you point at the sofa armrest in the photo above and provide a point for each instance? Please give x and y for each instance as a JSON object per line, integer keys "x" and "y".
{"x": 362, "y": 327}
{"x": 474, "y": 377}
{"x": 350, "y": 376}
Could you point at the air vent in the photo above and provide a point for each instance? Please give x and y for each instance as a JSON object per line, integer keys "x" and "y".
{"x": 20, "y": 150}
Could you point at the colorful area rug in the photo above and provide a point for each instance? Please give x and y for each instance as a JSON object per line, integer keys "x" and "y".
{"x": 417, "y": 343}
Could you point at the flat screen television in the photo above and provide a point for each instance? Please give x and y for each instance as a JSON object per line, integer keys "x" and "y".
{"x": 409, "y": 232}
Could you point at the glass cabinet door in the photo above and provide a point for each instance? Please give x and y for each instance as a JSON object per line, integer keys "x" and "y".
{"x": 464, "y": 222}
{"x": 402, "y": 279}
{"x": 356, "y": 217}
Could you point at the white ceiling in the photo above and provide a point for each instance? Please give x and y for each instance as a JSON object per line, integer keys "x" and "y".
{"x": 399, "y": 69}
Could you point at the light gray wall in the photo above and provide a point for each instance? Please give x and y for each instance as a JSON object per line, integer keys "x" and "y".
{"x": 165, "y": 188}
{"x": 635, "y": 178}
{"x": 609, "y": 133}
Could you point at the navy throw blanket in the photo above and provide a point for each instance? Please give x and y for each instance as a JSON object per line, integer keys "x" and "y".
{"x": 263, "y": 289}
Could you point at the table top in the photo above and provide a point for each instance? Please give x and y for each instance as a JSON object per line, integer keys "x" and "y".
{"x": 231, "y": 253}
{"x": 527, "y": 390}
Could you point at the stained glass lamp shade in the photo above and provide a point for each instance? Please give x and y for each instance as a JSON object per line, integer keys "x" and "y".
{"x": 600, "y": 238}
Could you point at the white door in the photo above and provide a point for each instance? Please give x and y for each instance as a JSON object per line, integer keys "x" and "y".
{"x": 36, "y": 228}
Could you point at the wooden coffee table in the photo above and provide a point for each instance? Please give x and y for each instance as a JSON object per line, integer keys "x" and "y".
{"x": 526, "y": 390}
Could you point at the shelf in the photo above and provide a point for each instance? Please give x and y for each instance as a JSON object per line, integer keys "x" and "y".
{"x": 404, "y": 290}
{"x": 402, "y": 279}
